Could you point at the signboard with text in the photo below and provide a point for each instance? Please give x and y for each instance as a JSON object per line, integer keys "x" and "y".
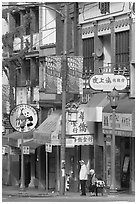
{"x": 123, "y": 121}
{"x": 48, "y": 147}
{"x": 83, "y": 139}
{"x": 29, "y": 114}
{"x": 21, "y": 95}
{"x": 79, "y": 127}
{"x": 107, "y": 82}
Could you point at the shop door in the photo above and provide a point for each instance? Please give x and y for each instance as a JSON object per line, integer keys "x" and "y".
{"x": 70, "y": 171}
{"x": 51, "y": 168}
{"x": 125, "y": 178}
{"x": 27, "y": 168}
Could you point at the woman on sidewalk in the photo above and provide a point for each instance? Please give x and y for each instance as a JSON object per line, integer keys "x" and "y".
{"x": 92, "y": 182}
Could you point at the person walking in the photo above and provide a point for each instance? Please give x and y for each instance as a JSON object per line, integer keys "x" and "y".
{"x": 92, "y": 182}
{"x": 83, "y": 176}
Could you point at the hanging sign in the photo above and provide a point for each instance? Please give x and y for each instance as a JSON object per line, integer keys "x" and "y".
{"x": 83, "y": 139}
{"x": 48, "y": 147}
{"x": 21, "y": 95}
{"x": 78, "y": 127}
{"x": 107, "y": 82}
{"x": 3, "y": 150}
{"x": 26, "y": 150}
{"x": 29, "y": 114}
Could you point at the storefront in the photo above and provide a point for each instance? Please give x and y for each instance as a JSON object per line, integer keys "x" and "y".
{"x": 124, "y": 143}
{"x": 84, "y": 140}
{"x": 11, "y": 161}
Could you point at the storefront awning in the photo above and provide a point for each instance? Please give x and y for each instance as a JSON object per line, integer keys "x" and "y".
{"x": 12, "y": 138}
{"x": 43, "y": 133}
{"x": 32, "y": 144}
{"x": 93, "y": 109}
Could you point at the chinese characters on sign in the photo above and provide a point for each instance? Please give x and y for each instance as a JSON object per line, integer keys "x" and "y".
{"x": 107, "y": 82}
{"x": 78, "y": 127}
{"x": 26, "y": 150}
{"x": 21, "y": 95}
{"x": 79, "y": 130}
{"x": 84, "y": 140}
{"x": 123, "y": 121}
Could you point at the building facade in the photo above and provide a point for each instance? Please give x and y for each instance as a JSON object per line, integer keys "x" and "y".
{"x": 100, "y": 39}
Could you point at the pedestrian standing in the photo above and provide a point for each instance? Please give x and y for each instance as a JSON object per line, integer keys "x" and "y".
{"x": 92, "y": 182}
{"x": 83, "y": 176}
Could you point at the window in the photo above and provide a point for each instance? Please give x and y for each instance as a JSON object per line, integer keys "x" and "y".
{"x": 88, "y": 59}
{"x": 17, "y": 19}
{"x": 48, "y": 27}
{"x": 36, "y": 23}
{"x": 122, "y": 49}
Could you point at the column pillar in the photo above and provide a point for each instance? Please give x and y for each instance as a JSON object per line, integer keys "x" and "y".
{"x": 113, "y": 44}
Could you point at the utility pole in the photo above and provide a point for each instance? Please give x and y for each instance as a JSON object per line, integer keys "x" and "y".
{"x": 64, "y": 85}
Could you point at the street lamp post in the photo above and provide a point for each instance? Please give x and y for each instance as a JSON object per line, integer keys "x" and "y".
{"x": 113, "y": 96}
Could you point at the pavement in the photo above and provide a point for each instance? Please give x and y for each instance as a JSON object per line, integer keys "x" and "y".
{"x": 33, "y": 192}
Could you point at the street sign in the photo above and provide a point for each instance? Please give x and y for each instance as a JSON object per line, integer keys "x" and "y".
{"x": 26, "y": 150}
{"x": 107, "y": 82}
{"x": 48, "y": 147}
{"x": 29, "y": 114}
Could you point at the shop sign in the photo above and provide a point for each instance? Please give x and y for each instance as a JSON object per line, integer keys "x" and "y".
{"x": 29, "y": 114}
{"x": 107, "y": 82}
{"x": 21, "y": 95}
{"x": 118, "y": 132}
{"x": 75, "y": 67}
{"x": 70, "y": 142}
{"x": 83, "y": 139}
{"x": 123, "y": 121}
{"x": 48, "y": 147}
{"x": 78, "y": 127}
{"x": 3, "y": 150}
{"x": 26, "y": 150}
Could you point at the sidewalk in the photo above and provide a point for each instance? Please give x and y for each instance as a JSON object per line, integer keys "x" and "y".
{"x": 33, "y": 192}
{"x": 28, "y": 192}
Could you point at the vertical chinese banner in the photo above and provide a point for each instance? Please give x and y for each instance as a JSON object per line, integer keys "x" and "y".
{"x": 21, "y": 95}
{"x": 52, "y": 74}
{"x": 75, "y": 69}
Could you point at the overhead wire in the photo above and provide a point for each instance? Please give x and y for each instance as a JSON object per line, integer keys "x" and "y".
{"x": 44, "y": 25}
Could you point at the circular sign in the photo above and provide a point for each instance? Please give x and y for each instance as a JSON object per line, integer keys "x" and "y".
{"x": 23, "y": 114}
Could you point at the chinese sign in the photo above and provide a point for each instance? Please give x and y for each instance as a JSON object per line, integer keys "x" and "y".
{"x": 83, "y": 140}
{"x": 48, "y": 147}
{"x": 51, "y": 73}
{"x": 123, "y": 121}
{"x": 75, "y": 67}
{"x": 21, "y": 95}
{"x": 79, "y": 127}
{"x": 107, "y": 82}
{"x": 29, "y": 116}
{"x": 26, "y": 150}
